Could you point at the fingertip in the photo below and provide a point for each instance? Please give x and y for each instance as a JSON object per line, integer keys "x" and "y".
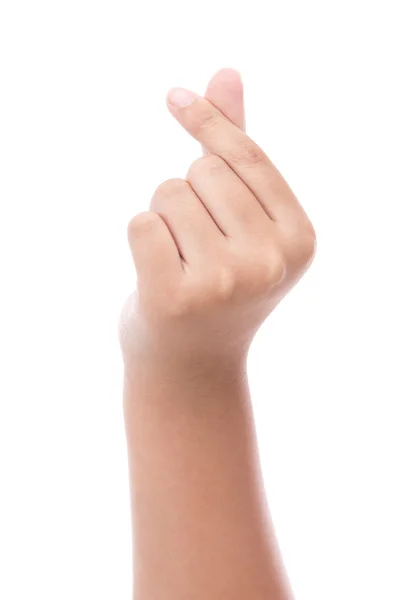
{"x": 225, "y": 90}
{"x": 228, "y": 76}
{"x": 179, "y": 97}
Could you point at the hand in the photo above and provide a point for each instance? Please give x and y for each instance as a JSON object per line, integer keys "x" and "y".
{"x": 217, "y": 251}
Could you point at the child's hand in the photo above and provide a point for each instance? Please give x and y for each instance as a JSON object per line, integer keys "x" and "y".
{"x": 217, "y": 251}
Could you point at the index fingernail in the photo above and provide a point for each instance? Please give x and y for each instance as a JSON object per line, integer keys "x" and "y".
{"x": 179, "y": 97}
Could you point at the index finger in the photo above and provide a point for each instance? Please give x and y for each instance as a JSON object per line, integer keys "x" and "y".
{"x": 225, "y": 91}
{"x": 220, "y": 136}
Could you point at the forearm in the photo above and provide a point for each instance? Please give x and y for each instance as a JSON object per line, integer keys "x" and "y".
{"x": 214, "y": 256}
{"x": 200, "y": 519}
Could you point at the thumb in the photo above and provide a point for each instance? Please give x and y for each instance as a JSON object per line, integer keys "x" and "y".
{"x": 225, "y": 92}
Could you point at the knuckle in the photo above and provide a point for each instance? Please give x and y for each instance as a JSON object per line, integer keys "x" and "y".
{"x": 204, "y": 119}
{"x": 249, "y": 154}
{"x": 269, "y": 271}
{"x": 209, "y": 163}
{"x": 304, "y": 245}
{"x": 223, "y": 283}
{"x": 207, "y": 120}
{"x": 142, "y": 223}
{"x": 171, "y": 187}
{"x": 276, "y": 269}
{"x": 208, "y": 291}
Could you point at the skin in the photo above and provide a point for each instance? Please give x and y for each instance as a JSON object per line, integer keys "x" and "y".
{"x": 214, "y": 255}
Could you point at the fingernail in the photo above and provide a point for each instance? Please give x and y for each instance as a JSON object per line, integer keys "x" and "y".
{"x": 179, "y": 97}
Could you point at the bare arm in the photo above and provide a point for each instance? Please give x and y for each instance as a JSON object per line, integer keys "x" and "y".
{"x": 201, "y": 524}
{"x": 214, "y": 256}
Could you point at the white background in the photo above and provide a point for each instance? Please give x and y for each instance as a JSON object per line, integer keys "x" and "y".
{"x": 85, "y": 138}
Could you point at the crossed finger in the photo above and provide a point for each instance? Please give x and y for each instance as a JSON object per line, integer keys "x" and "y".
{"x": 221, "y": 137}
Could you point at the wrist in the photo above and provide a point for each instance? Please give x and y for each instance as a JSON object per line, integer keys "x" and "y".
{"x": 197, "y": 369}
